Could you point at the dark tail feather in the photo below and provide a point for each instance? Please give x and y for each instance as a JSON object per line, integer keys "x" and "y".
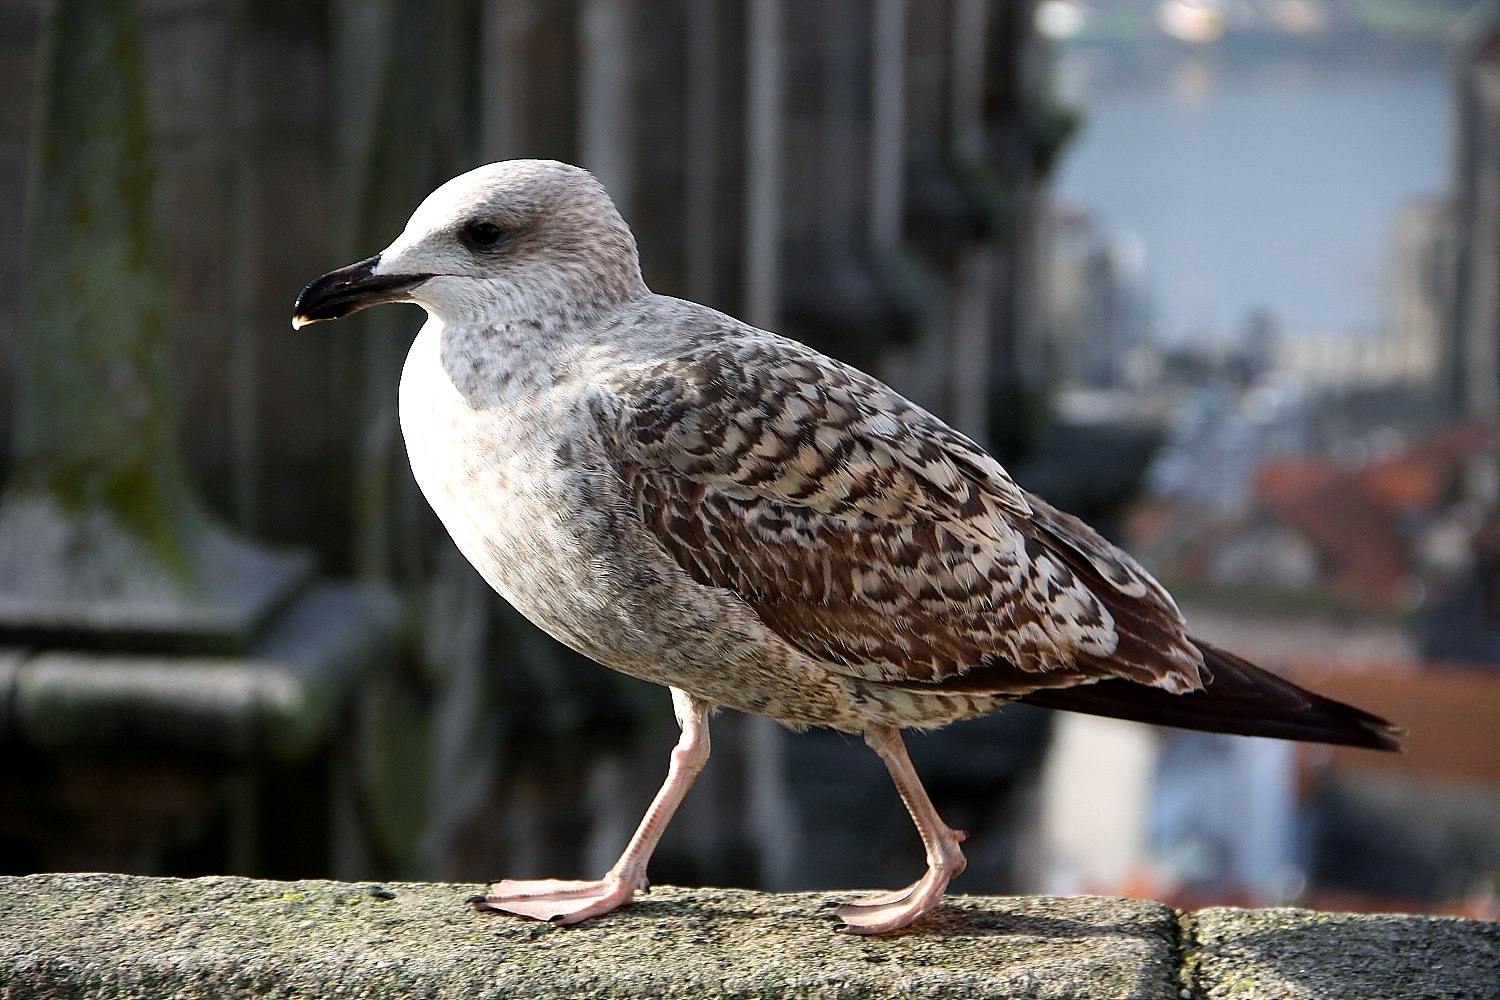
{"x": 1242, "y": 699}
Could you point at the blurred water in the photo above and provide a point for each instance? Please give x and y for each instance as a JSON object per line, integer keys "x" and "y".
{"x": 1258, "y": 178}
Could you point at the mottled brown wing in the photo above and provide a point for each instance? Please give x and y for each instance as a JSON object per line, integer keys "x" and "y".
{"x": 873, "y": 537}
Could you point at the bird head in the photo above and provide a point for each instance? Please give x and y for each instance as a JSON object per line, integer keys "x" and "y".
{"x": 509, "y": 240}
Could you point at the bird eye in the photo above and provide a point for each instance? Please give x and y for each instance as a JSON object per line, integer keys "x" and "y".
{"x": 481, "y": 237}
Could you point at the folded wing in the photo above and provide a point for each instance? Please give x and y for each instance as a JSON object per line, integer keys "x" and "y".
{"x": 873, "y": 537}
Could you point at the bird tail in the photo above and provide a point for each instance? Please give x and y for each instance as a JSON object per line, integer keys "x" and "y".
{"x": 1242, "y": 699}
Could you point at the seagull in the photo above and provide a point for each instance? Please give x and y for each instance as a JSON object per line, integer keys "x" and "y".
{"x": 724, "y": 511}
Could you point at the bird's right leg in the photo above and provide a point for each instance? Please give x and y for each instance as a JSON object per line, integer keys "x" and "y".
{"x": 567, "y": 902}
{"x": 892, "y": 911}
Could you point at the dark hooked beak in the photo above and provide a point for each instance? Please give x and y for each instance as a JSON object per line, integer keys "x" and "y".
{"x": 350, "y": 289}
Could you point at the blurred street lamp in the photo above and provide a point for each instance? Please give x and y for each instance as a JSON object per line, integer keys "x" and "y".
{"x": 1198, "y": 21}
{"x": 1060, "y": 20}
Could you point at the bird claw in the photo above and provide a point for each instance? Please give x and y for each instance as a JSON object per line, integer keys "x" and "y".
{"x": 892, "y": 911}
{"x": 556, "y": 900}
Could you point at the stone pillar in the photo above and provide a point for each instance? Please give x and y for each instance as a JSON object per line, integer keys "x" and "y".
{"x": 764, "y": 86}
{"x": 700, "y": 152}
{"x": 102, "y": 540}
{"x": 505, "y": 25}
{"x": 887, "y": 127}
{"x": 605, "y": 106}
{"x": 841, "y": 131}
{"x": 164, "y": 680}
{"x": 95, "y": 415}
{"x": 974, "y": 279}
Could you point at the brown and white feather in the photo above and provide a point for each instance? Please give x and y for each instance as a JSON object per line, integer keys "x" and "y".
{"x": 867, "y": 534}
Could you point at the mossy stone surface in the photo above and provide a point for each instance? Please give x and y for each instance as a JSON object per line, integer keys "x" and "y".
{"x": 114, "y": 936}
{"x": 108, "y": 936}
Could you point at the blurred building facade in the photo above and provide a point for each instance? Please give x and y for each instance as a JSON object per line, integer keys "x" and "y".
{"x": 863, "y": 176}
{"x": 1098, "y": 323}
{"x": 1324, "y": 504}
{"x": 1422, "y": 269}
{"x": 1473, "y": 306}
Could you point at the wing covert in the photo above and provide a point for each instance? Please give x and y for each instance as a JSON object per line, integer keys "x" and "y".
{"x": 867, "y": 533}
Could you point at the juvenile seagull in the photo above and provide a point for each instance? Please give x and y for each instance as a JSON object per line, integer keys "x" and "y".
{"x": 705, "y": 505}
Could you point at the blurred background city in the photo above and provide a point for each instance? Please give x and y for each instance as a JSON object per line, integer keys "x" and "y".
{"x": 1220, "y": 276}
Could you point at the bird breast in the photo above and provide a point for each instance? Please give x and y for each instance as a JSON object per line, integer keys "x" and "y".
{"x": 487, "y": 455}
{"x": 517, "y": 476}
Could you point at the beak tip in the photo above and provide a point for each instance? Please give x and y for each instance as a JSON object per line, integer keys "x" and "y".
{"x": 350, "y": 289}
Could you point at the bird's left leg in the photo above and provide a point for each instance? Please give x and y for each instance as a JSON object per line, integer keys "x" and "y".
{"x": 567, "y": 902}
{"x": 894, "y": 910}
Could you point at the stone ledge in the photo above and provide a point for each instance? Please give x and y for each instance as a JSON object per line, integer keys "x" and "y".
{"x": 278, "y": 701}
{"x": 115, "y": 936}
{"x": 1287, "y": 954}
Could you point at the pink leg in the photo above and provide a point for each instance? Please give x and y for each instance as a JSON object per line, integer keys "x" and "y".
{"x": 892, "y": 911}
{"x": 567, "y": 902}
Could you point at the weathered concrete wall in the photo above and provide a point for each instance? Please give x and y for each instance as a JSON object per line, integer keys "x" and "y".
{"x": 107, "y": 936}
